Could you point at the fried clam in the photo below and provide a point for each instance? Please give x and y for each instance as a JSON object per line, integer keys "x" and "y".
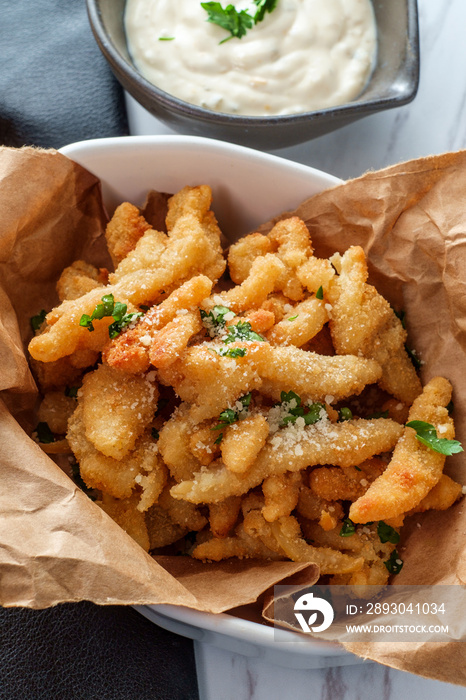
{"x": 79, "y": 278}
{"x": 363, "y": 323}
{"x": 210, "y": 382}
{"x": 288, "y": 242}
{"x": 116, "y": 409}
{"x": 364, "y": 542}
{"x": 414, "y": 468}
{"x": 118, "y": 478}
{"x": 285, "y": 537}
{"x": 124, "y": 230}
{"x": 292, "y": 449}
{"x": 301, "y": 324}
{"x": 130, "y": 351}
{"x": 158, "y": 264}
{"x": 314, "y": 377}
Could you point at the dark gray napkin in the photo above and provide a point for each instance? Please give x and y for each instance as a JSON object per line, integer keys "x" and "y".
{"x": 82, "y": 651}
{"x": 55, "y": 85}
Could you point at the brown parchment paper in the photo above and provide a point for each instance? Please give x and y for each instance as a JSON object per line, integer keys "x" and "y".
{"x": 56, "y": 545}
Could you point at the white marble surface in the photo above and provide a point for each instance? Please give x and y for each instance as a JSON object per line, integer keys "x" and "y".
{"x": 435, "y": 122}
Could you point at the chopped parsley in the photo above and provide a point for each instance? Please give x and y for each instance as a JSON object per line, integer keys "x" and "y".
{"x": 427, "y": 435}
{"x": 166, "y": 38}
{"x": 214, "y": 321}
{"x": 155, "y": 434}
{"x": 230, "y": 415}
{"x": 394, "y": 564}
{"x": 378, "y": 414}
{"x": 345, "y": 413}
{"x": 414, "y": 358}
{"x": 237, "y": 23}
{"x": 37, "y": 320}
{"x": 242, "y": 331}
{"x": 320, "y": 293}
{"x": 293, "y": 318}
{"x": 44, "y": 434}
{"x": 291, "y": 402}
{"x": 402, "y": 316}
{"x": 110, "y": 307}
{"x": 387, "y": 533}
{"x": 232, "y": 352}
{"x": 348, "y": 528}
{"x": 72, "y": 391}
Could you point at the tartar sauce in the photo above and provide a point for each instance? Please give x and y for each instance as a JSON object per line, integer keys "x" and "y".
{"x": 304, "y": 55}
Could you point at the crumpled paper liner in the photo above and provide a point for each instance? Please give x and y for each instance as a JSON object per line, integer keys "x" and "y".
{"x": 56, "y": 545}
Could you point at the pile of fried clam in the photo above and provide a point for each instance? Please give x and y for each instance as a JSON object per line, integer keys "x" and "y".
{"x": 271, "y": 411}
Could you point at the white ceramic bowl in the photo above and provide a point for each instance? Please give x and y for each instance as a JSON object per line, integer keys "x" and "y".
{"x": 249, "y": 187}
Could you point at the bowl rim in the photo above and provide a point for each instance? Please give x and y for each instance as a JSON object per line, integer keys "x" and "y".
{"x": 127, "y": 72}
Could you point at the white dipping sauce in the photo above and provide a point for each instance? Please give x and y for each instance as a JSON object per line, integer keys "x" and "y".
{"x": 304, "y": 55}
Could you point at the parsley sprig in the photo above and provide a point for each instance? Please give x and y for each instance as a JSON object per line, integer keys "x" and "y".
{"x": 295, "y": 409}
{"x": 348, "y": 528}
{"x": 242, "y": 331}
{"x": 387, "y": 533}
{"x": 230, "y": 415}
{"x": 427, "y": 435}
{"x": 214, "y": 321}
{"x": 110, "y": 307}
{"x": 37, "y": 320}
{"x": 394, "y": 564}
{"x": 237, "y": 23}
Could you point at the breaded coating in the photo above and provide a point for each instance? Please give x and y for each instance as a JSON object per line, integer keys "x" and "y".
{"x": 442, "y": 496}
{"x": 242, "y": 254}
{"x": 285, "y": 537}
{"x": 112, "y": 476}
{"x": 311, "y": 507}
{"x": 253, "y": 291}
{"x": 172, "y": 340}
{"x": 223, "y": 516}
{"x": 175, "y": 445}
{"x": 117, "y": 408}
{"x": 362, "y": 322}
{"x": 124, "y": 230}
{"x": 302, "y": 323}
{"x": 195, "y": 202}
{"x": 203, "y": 442}
{"x": 210, "y": 382}
{"x": 55, "y": 410}
{"x": 292, "y": 449}
{"x": 316, "y": 273}
{"x": 79, "y": 278}
{"x": 130, "y": 350}
{"x": 281, "y": 495}
{"x": 242, "y": 442}
{"x": 240, "y": 546}
{"x": 291, "y": 240}
{"x": 348, "y": 484}
{"x": 314, "y": 376}
{"x": 414, "y": 468}
{"x": 181, "y": 512}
